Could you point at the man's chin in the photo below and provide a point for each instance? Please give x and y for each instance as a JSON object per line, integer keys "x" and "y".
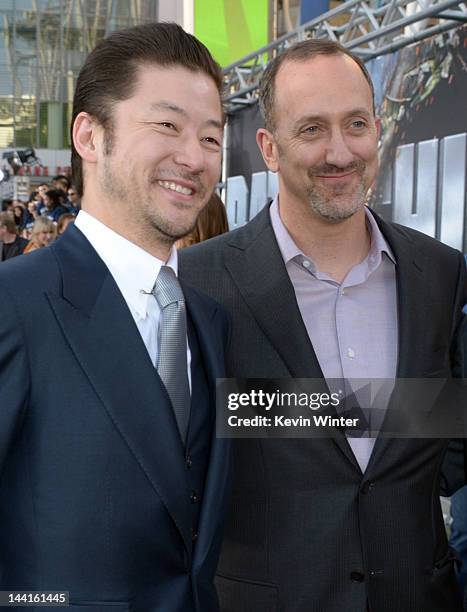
{"x": 336, "y": 207}
{"x": 170, "y": 233}
{"x": 336, "y": 214}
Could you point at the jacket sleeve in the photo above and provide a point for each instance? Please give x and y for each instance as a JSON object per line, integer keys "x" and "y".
{"x": 14, "y": 373}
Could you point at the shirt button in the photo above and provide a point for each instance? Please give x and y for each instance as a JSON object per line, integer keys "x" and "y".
{"x": 306, "y": 263}
{"x": 194, "y": 497}
{"x": 188, "y": 463}
{"x": 350, "y": 353}
{"x": 343, "y": 292}
{"x": 357, "y": 577}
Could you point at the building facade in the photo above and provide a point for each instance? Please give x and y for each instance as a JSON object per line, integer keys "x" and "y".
{"x": 43, "y": 44}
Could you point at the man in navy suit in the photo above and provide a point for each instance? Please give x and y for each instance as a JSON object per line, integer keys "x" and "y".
{"x": 111, "y": 488}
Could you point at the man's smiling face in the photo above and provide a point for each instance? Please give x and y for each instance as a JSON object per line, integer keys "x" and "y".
{"x": 162, "y": 157}
{"x": 325, "y": 136}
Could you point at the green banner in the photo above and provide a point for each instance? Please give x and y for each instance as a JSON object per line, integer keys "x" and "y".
{"x": 231, "y": 29}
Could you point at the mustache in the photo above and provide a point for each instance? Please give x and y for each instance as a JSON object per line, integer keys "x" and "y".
{"x": 358, "y": 165}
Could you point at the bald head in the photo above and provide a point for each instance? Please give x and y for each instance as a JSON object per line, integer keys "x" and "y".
{"x": 301, "y": 52}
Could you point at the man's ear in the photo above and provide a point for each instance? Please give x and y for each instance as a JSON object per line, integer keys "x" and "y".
{"x": 378, "y": 127}
{"x": 84, "y": 137}
{"x": 267, "y": 146}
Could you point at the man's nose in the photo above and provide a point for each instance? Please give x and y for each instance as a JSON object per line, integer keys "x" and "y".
{"x": 338, "y": 152}
{"x": 191, "y": 154}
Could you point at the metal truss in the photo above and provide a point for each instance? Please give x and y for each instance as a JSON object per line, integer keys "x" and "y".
{"x": 370, "y": 29}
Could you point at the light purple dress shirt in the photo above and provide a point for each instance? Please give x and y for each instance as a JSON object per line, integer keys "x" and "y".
{"x": 352, "y": 325}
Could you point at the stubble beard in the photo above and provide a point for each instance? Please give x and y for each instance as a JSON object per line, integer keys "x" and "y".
{"x": 335, "y": 206}
{"x": 149, "y": 225}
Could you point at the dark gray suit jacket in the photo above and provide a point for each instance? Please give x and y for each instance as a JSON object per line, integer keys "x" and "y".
{"x": 308, "y": 532}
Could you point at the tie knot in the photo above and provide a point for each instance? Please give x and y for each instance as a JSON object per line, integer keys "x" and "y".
{"x": 167, "y": 289}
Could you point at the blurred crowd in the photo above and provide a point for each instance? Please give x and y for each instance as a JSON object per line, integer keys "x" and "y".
{"x": 29, "y": 225}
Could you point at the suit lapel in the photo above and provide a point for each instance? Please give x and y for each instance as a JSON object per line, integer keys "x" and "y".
{"x": 412, "y": 293}
{"x": 256, "y": 265}
{"x": 105, "y": 340}
{"x": 258, "y": 270}
{"x": 254, "y": 261}
{"x": 203, "y": 314}
{"x": 412, "y": 284}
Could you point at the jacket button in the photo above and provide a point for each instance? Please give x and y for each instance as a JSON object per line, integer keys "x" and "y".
{"x": 194, "y": 535}
{"x": 194, "y": 497}
{"x": 188, "y": 463}
{"x": 357, "y": 577}
{"x": 367, "y": 487}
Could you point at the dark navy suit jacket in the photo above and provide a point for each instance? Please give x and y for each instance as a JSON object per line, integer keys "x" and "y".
{"x": 94, "y": 496}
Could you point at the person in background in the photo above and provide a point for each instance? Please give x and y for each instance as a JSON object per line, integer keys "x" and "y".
{"x": 31, "y": 214}
{"x": 27, "y": 231}
{"x": 54, "y": 207}
{"x": 61, "y": 181}
{"x": 32, "y": 207}
{"x": 44, "y": 232}
{"x": 35, "y": 197}
{"x": 74, "y": 200}
{"x": 42, "y": 189}
{"x": 11, "y": 244}
{"x": 7, "y": 204}
{"x": 64, "y": 221}
{"x": 212, "y": 221}
{"x": 21, "y": 214}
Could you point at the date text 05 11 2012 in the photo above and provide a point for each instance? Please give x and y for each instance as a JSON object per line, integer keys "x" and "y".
{"x": 36, "y": 598}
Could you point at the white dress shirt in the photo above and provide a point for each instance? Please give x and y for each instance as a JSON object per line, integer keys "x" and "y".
{"x": 135, "y": 272}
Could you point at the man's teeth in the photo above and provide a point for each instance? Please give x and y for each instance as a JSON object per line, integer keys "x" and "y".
{"x": 175, "y": 187}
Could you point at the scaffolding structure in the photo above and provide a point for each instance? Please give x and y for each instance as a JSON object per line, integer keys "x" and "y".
{"x": 368, "y": 28}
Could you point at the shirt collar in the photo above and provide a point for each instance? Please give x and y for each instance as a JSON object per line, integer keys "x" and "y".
{"x": 133, "y": 269}
{"x": 290, "y": 250}
{"x": 287, "y": 246}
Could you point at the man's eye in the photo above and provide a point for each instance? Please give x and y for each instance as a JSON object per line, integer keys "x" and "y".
{"x": 312, "y": 129}
{"x": 358, "y": 124}
{"x": 211, "y": 140}
{"x": 167, "y": 124}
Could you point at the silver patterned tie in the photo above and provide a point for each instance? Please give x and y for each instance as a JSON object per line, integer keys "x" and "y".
{"x": 172, "y": 360}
